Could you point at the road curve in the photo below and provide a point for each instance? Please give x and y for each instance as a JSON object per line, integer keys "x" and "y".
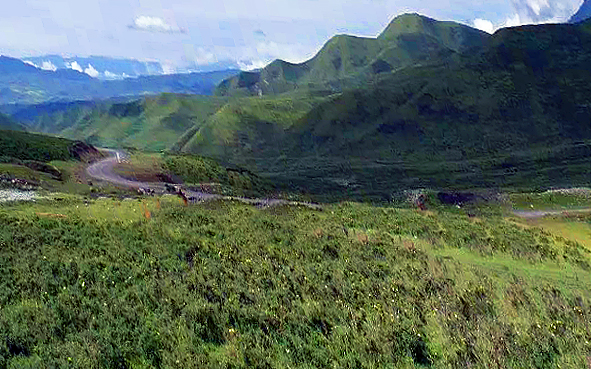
{"x": 103, "y": 171}
{"x": 535, "y": 214}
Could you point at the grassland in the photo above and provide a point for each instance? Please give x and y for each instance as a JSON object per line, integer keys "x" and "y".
{"x": 27, "y": 146}
{"x": 151, "y": 124}
{"x": 152, "y": 283}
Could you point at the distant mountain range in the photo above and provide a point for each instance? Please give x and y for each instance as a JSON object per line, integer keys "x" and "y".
{"x": 22, "y": 83}
{"x": 97, "y": 66}
{"x": 107, "y": 68}
{"x": 583, "y": 13}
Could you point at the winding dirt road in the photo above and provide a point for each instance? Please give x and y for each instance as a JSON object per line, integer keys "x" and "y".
{"x": 535, "y": 214}
{"x": 103, "y": 170}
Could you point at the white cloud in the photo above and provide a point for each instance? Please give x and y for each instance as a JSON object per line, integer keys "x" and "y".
{"x": 484, "y": 25}
{"x": 536, "y": 6}
{"x": 168, "y": 68}
{"x": 75, "y": 66}
{"x": 110, "y": 75}
{"x": 513, "y": 21}
{"x": 199, "y": 56}
{"x": 91, "y": 71}
{"x": 252, "y": 65}
{"x": 45, "y": 65}
{"x": 154, "y": 24}
{"x": 543, "y": 11}
{"x": 516, "y": 20}
{"x": 48, "y": 65}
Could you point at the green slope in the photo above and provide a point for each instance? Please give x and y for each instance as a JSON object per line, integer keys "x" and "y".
{"x": 152, "y": 123}
{"x": 28, "y": 146}
{"x": 514, "y": 115}
{"x": 451, "y": 35}
{"x": 95, "y": 283}
{"x": 408, "y": 40}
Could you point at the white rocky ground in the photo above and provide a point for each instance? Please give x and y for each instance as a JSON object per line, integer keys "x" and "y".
{"x": 17, "y": 195}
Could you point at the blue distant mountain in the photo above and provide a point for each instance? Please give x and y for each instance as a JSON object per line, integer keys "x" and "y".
{"x": 23, "y": 83}
{"x": 583, "y": 13}
{"x": 105, "y": 67}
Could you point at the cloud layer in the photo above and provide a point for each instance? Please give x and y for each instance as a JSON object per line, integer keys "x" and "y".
{"x": 532, "y": 12}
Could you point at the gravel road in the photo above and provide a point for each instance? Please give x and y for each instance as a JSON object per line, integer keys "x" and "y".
{"x": 103, "y": 171}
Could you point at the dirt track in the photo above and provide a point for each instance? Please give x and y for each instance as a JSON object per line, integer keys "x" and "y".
{"x": 103, "y": 171}
{"x": 534, "y": 214}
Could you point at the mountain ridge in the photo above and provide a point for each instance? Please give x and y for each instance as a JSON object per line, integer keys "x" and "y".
{"x": 409, "y": 38}
{"x": 457, "y": 120}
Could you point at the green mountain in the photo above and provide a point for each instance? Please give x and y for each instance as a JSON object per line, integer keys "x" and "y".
{"x": 150, "y": 123}
{"x": 20, "y": 146}
{"x": 514, "y": 113}
{"x": 345, "y": 60}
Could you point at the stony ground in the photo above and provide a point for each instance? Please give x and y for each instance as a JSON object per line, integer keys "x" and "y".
{"x": 17, "y": 195}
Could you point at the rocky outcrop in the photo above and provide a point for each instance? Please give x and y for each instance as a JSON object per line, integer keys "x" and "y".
{"x": 85, "y": 152}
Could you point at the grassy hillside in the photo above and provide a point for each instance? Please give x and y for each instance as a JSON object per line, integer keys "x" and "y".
{"x": 514, "y": 115}
{"x": 151, "y": 123}
{"x": 28, "y": 146}
{"x": 250, "y": 123}
{"x": 102, "y": 284}
{"x": 195, "y": 172}
{"x": 408, "y": 40}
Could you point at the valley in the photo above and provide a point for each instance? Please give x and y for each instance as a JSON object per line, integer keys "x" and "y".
{"x": 420, "y": 199}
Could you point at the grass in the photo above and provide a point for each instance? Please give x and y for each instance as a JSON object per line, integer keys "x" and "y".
{"x": 28, "y": 146}
{"x": 150, "y": 124}
{"x": 102, "y": 284}
{"x": 23, "y": 172}
{"x": 552, "y": 200}
{"x": 195, "y": 172}
{"x": 573, "y": 229}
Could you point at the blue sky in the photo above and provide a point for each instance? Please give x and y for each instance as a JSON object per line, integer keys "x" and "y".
{"x": 191, "y": 33}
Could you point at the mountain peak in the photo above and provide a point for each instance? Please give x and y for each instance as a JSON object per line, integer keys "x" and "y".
{"x": 453, "y": 35}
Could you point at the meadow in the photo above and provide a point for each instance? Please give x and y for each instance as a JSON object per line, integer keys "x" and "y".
{"x": 150, "y": 283}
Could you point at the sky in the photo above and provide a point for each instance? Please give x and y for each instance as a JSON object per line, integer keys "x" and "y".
{"x": 190, "y": 34}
